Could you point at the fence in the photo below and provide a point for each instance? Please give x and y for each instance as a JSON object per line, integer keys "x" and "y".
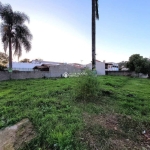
{"x": 23, "y": 69}
{"x": 4, "y": 75}
{"x": 126, "y": 73}
{"x": 54, "y": 71}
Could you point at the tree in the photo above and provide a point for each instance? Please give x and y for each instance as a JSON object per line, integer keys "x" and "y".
{"x": 15, "y": 34}
{"x": 25, "y": 60}
{"x": 138, "y": 64}
{"x": 3, "y": 60}
{"x": 95, "y": 15}
{"x": 144, "y": 66}
{"x": 149, "y": 69}
{"x": 38, "y": 59}
{"x": 134, "y": 62}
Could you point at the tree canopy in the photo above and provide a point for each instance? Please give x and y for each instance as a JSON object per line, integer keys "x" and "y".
{"x": 138, "y": 64}
{"x": 25, "y": 60}
{"x": 3, "y": 59}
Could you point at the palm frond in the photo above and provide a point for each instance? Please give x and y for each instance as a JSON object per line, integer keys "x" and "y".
{"x": 6, "y": 43}
{"x": 23, "y": 31}
{"x": 1, "y": 6}
{"x": 6, "y": 13}
{"x": 19, "y": 52}
{"x": 22, "y": 36}
{"x": 4, "y": 35}
{"x": 16, "y": 46}
{"x": 97, "y": 14}
{"x": 20, "y": 18}
{"x": 26, "y": 44}
{"x": 3, "y": 29}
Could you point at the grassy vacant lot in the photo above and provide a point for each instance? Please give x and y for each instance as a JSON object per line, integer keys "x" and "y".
{"x": 115, "y": 121}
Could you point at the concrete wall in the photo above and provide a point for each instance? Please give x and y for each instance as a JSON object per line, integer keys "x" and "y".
{"x": 119, "y": 73}
{"x": 22, "y": 75}
{"x": 100, "y": 67}
{"x": 4, "y": 75}
{"x": 126, "y": 73}
{"x": 57, "y": 71}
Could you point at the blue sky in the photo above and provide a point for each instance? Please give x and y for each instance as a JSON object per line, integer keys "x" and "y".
{"x": 62, "y": 29}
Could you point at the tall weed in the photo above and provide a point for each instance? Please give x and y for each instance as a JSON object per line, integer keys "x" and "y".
{"x": 87, "y": 87}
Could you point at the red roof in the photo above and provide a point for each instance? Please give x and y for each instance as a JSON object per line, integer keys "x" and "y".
{"x": 98, "y": 60}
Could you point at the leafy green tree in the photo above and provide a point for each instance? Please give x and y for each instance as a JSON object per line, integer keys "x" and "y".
{"x": 144, "y": 66}
{"x": 95, "y": 15}
{"x": 3, "y": 59}
{"x": 14, "y": 32}
{"x": 25, "y": 60}
{"x": 138, "y": 64}
{"x": 134, "y": 62}
{"x": 149, "y": 68}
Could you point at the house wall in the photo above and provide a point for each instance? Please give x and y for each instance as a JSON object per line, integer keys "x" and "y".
{"x": 100, "y": 67}
{"x": 57, "y": 71}
{"x": 111, "y": 67}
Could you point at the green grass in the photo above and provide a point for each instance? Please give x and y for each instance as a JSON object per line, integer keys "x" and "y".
{"x": 58, "y": 118}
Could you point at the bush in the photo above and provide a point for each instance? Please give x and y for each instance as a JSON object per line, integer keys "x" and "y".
{"x": 87, "y": 87}
{"x": 2, "y": 67}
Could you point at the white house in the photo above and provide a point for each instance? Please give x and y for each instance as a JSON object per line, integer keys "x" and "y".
{"x": 44, "y": 62}
{"x": 110, "y": 66}
{"x": 21, "y": 66}
{"x": 100, "y": 67}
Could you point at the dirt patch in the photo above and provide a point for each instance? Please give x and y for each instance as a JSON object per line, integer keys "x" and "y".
{"x": 104, "y": 132}
{"x": 106, "y": 121}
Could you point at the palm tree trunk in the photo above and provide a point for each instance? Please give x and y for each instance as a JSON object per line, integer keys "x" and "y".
{"x": 10, "y": 54}
{"x": 93, "y": 35}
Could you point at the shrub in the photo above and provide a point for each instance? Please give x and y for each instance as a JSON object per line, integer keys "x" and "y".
{"x": 2, "y": 67}
{"x": 87, "y": 87}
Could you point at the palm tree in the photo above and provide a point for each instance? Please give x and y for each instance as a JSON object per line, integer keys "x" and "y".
{"x": 95, "y": 15}
{"x": 14, "y": 32}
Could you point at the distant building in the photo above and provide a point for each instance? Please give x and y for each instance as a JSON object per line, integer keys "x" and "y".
{"x": 21, "y": 66}
{"x": 40, "y": 65}
{"x": 77, "y": 65}
{"x": 44, "y": 62}
{"x": 100, "y": 67}
{"x": 110, "y": 66}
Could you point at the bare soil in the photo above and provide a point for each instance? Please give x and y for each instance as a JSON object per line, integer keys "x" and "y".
{"x": 116, "y": 138}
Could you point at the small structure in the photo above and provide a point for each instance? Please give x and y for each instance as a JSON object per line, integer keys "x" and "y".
{"x": 100, "y": 67}
{"x": 110, "y": 66}
{"x": 44, "y": 67}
